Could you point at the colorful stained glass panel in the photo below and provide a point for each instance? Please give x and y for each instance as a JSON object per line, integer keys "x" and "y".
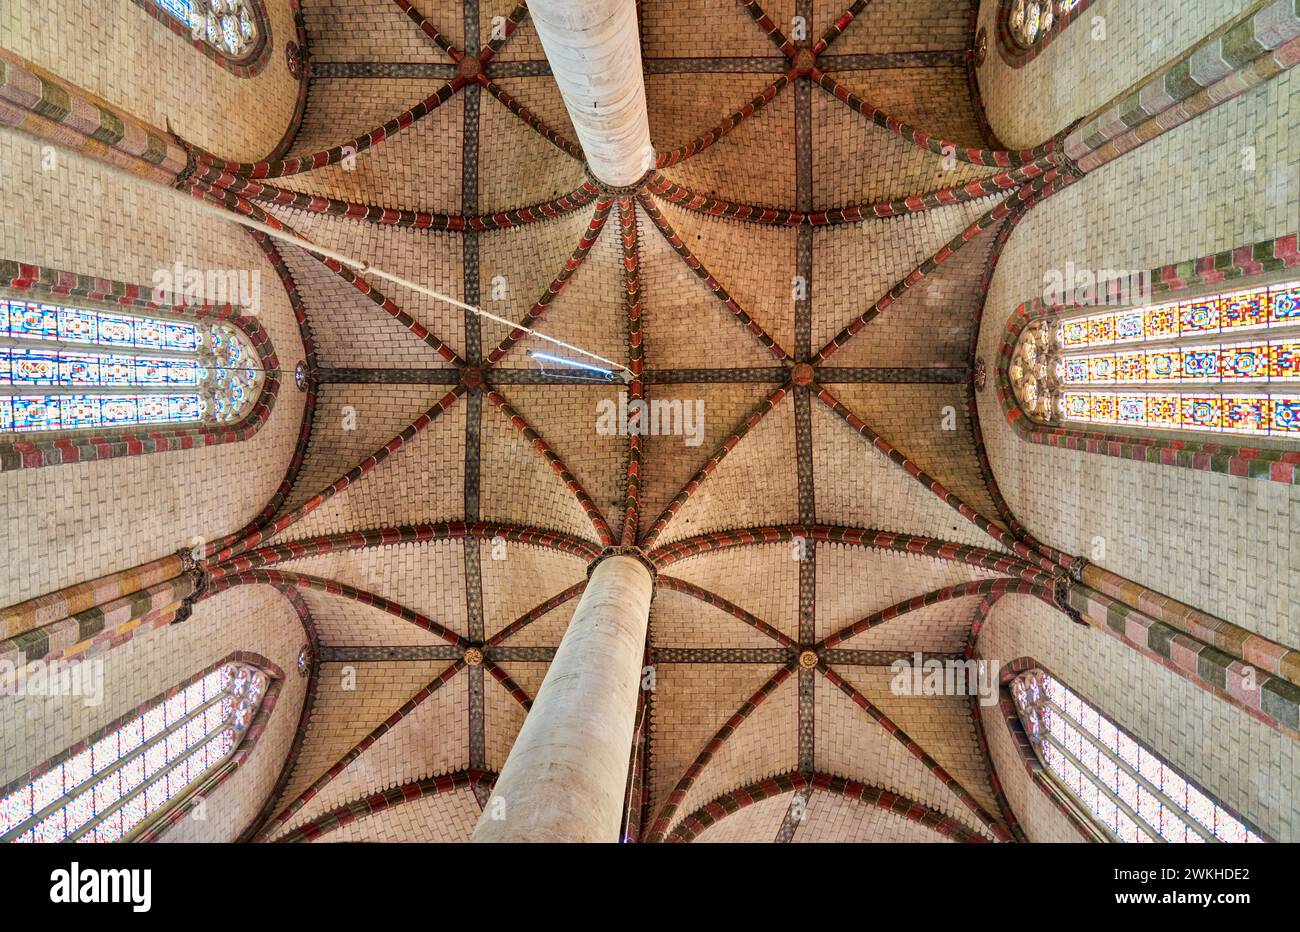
{"x": 1128, "y": 791}
{"x": 109, "y": 788}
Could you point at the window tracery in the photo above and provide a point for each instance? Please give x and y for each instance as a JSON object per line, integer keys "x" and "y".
{"x": 1221, "y": 363}
{"x": 125, "y": 779}
{"x": 1116, "y": 783}
{"x": 68, "y": 368}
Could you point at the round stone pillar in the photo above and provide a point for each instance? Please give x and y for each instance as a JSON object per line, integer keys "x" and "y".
{"x": 595, "y": 54}
{"x": 565, "y": 776}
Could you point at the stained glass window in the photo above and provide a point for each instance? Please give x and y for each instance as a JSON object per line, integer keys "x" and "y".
{"x": 229, "y": 26}
{"x": 1127, "y": 791}
{"x": 68, "y": 368}
{"x": 1222, "y": 363}
{"x": 125, "y": 779}
{"x": 1031, "y": 21}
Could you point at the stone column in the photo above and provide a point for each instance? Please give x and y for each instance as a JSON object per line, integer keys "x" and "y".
{"x": 595, "y": 55}
{"x": 566, "y": 773}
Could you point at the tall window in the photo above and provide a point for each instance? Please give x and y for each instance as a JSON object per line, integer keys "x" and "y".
{"x": 229, "y": 26}
{"x": 122, "y": 781}
{"x": 1030, "y": 22}
{"x": 1129, "y": 793}
{"x": 66, "y": 368}
{"x": 1223, "y": 363}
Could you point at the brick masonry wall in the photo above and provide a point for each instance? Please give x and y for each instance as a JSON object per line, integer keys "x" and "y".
{"x": 255, "y": 618}
{"x": 123, "y": 54}
{"x": 1244, "y": 763}
{"x": 1219, "y": 543}
{"x": 117, "y": 513}
{"x": 419, "y": 167}
{"x": 1075, "y": 74}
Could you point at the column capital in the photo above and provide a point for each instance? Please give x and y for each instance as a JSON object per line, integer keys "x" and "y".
{"x": 635, "y": 553}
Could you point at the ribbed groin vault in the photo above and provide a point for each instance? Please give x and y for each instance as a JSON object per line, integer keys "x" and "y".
{"x": 808, "y": 231}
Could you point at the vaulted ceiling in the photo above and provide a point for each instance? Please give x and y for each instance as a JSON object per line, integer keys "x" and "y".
{"x": 809, "y": 267}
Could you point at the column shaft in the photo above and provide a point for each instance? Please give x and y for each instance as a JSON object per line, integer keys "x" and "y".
{"x": 565, "y": 776}
{"x": 594, "y": 49}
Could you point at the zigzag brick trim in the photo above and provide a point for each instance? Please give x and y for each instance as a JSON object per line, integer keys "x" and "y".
{"x": 727, "y": 804}
{"x": 859, "y": 537}
{"x": 387, "y": 799}
{"x": 407, "y": 534}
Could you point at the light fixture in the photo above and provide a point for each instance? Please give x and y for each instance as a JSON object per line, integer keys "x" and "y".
{"x": 606, "y": 374}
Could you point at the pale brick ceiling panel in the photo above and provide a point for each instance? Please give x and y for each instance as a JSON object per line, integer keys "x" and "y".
{"x": 931, "y": 323}
{"x": 349, "y": 328}
{"x": 523, "y": 45}
{"x": 421, "y": 482}
{"x": 343, "y": 622}
{"x": 680, "y": 113}
{"x": 898, "y": 25}
{"x": 428, "y": 578}
{"x": 431, "y": 740}
{"x": 691, "y": 702}
{"x": 668, "y": 463}
{"x": 378, "y": 30}
{"x": 517, "y": 266}
{"x": 940, "y": 628}
{"x": 857, "y": 485}
{"x": 547, "y": 630}
{"x": 539, "y": 94}
{"x": 911, "y": 417}
{"x": 444, "y": 817}
{"x": 766, "y": 744}
{"x": 940, "y": 724}
{"x": 416, "y": 168}
{"x": 933, "y": 99}
{"x": 756, "y": 823}
{"x": 589, "y": 312}
{"x": 681, "y": 620}
{"x": 522, "y": 579}
{"x": 342, "y": 716}
{"x": 835, "y": 819}
{"x": 376, "y": 413}
{"x": 700, "y": 28}
{"x": 763, "y": 580}
{"x": 427, "y": 258}
{"x": 856, "y": 162}
{"x": 518, "y": 167}
{"x": 754, "y": 163}
{"x": 850, "y": 744}
{"x": 677, "y": 308}
{"x": 503, "y": 715}
{"x": 755, "y": 484}
{"x": 730, "y": 250}
{"x": 872, "y": 257}
{"x": 854, "y": 582}
{"x": 566, "y": 418}
{"x": 520, "y": 487}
